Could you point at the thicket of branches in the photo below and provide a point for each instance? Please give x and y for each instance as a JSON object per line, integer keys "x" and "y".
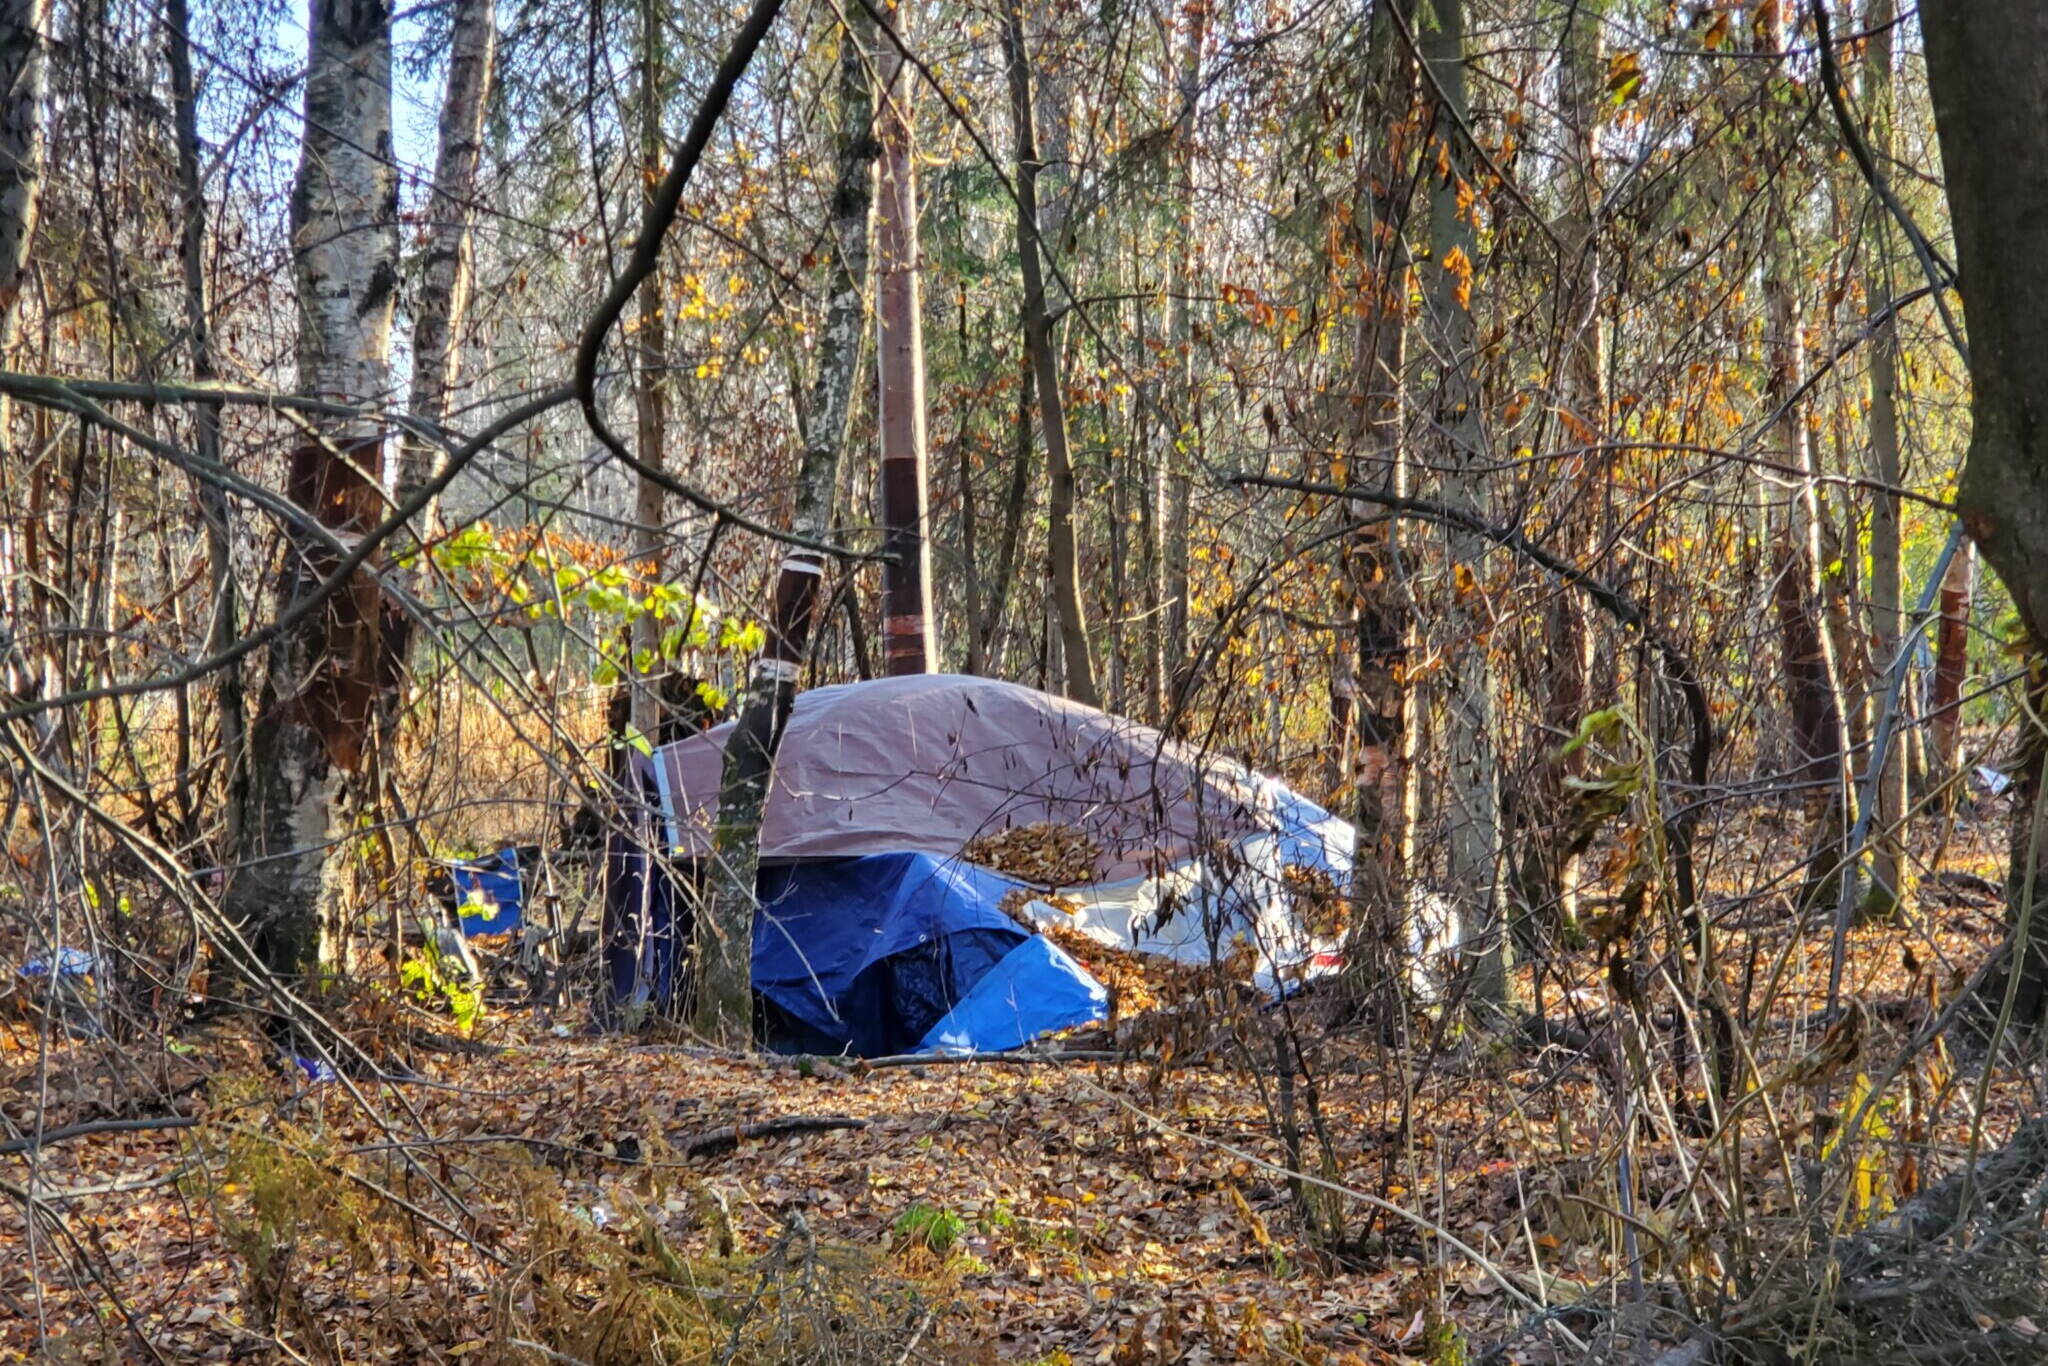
{"x": 1531, "y": 428}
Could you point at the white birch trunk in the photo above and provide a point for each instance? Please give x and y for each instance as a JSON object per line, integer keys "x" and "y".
{"x": 324, "y": 674}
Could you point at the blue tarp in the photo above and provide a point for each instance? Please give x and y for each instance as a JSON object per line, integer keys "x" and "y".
{"x": 496, "y": 882}
{"x": 886, "y": 953}
{"x": 1035, "y": 988}
{"x": 647, "y": 919}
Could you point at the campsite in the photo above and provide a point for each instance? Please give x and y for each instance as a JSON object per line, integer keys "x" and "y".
{"x": 939, "y": 682}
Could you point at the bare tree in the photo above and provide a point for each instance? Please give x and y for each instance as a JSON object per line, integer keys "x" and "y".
{"x": 1472, "y": 776}
{"x": 909, "y": 626}
{"x": 1045, "y": 364}
{"x": 447, "y": 270}
{"x": 725, "y": 945}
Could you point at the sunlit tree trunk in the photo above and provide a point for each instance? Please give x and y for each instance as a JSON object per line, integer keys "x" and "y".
{"x": 445, "y": 276}
{"x": 1951, "y": 667}
{"x": 1471, "y": 784}
{"x": 327, "y": 672}
{"x": 1068, "y": 605}
{"x": 909, "y": 629}
{"x": 1812, "y": 674}
{"x": 726, "y": 942}
{"x": 1888, "y": 890}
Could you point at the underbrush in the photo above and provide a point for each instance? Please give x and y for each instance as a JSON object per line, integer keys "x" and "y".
{"x": 546, "y": 1268}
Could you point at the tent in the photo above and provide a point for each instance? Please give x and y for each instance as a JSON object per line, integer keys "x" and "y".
{"x": 903, "y": 953}
{"x": 1195, "y": 848}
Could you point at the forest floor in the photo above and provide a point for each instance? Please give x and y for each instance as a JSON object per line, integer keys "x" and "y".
{"x": 563, "y": 1198}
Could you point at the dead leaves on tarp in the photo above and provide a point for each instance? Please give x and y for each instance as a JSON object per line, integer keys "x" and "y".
{"x": 1045, "y": 853}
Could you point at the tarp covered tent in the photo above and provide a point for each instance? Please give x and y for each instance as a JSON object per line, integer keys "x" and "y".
{"x": 902, "y": 953}
{"x": 1194, "y": 846}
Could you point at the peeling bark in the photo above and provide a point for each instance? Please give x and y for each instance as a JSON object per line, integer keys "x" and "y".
{"x": 326, "y": 674}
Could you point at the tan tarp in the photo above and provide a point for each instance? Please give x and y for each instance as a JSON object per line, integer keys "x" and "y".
{"x": 928, "y": 762}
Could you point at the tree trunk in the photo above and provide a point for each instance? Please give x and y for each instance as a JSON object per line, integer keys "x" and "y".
{"x": 650, "y": 405}
{"x": 1472, "y": 776}
{"x": 1369, "y": 697}
{"x": 1951, "y": 667}
{"x": 1888, "y": 891}
{"x": 1038, "y": 340}
{"x": 726, "y": 938}
{"x": 1178, "y": 443}
{"x": 1015, "y": 505}
{"x": 1987, "y": 70}
{"x": 1549, "y": 870}
{"x": 909, "y": 629}
{"x": 24, "y": 38}
{"x": 445, "y": 275}
{"x": 224, "y": 622}
{"x": 327, "y": 671}
{"x": 24, "y": 64}
{"x": 1812, "y": 673}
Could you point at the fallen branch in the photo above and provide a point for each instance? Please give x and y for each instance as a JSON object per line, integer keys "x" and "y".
{"x": 96, "y": 1126}
{"x": 1016, "y": 1058}
{"x": 718, "y": 1140}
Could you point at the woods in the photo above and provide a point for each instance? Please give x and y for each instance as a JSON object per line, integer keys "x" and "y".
{"x": 909, "y": 682}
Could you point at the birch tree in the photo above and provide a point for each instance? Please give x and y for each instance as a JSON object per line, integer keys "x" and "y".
{"x": 329, "y": 665}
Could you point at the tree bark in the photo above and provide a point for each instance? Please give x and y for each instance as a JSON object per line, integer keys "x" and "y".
{"x": 24, "y": 66}
{"x": 445, "y": 277}
{"x": 1472, "y": 773}
{"x": 1812, "y": 673}
{"x": 1172, "y": 461}
{"x": 1951, "y": 667}
{"x": 909, "y": 628}
{"x": 1582, "y": 423}
{"x": 1888, "y": 890}
{"x": 326, "y": 673}
{"x": 24, "y": 61}
{"x": 1015, "y": 505}
{"x": 1987, "y": 70}
{"x": 224, "y": 624}
{"x": 1038, "y": 340}
{"x": 1369, "y": 698}
{"x": 726, "y": 938}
